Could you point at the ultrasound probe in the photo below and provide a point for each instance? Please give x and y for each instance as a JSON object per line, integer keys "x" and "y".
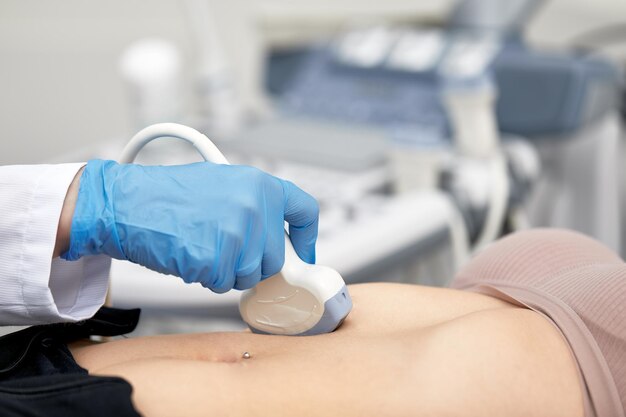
{"x": 302, "y": 299}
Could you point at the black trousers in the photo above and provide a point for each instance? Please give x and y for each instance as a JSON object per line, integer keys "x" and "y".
{"x": 39, "y": 376}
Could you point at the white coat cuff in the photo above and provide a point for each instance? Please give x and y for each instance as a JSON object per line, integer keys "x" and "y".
{"x": 51, "y": 290}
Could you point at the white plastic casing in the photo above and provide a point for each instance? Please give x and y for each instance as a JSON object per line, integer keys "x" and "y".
{"x": 291, "y": 302}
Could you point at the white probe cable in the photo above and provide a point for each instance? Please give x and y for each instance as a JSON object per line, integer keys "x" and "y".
{"x": 459, "y": 239}
{"x": 497, "y": 210}
{"x": 202, "y": 143}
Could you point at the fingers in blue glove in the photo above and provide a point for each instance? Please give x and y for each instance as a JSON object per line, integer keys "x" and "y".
{"x": 246, "y": 281}
{"x": 274, "y": 252}
{"x": 248, "y": 272}
{"x": 224, "y": 275}
{"x": 302, "y": 214}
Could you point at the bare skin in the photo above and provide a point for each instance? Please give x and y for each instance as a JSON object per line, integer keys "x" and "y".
{"x": 62, "y": 243}
{"x": 403, "y": 351}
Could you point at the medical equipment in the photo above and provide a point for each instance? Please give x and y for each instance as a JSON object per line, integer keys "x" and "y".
{"x": 470, "y": 104}
{"x": 390, "y": 79}
{"x": 539, "y": 93}
{"x": 302, "y": 299}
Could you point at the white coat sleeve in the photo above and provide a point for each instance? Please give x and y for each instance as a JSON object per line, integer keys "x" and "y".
{"x": 34, "y": 288}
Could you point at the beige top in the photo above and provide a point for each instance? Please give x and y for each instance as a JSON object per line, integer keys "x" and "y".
{"x": 580, "y": 285}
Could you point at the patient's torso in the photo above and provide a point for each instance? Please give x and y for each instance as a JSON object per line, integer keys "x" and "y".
{"x": 404, "y": 350}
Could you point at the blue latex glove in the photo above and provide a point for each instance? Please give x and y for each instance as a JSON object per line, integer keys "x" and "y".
{"x": 219, "y": 225}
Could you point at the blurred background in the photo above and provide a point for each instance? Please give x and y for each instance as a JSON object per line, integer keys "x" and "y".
{"x": 425, "y": 129}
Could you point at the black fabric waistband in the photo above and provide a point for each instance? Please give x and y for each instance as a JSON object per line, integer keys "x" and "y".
{"x": 16, "y": 348}
{"x": 40, "y": 378}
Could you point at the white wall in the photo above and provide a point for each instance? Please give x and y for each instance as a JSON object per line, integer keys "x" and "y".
{"x": 59, "y": 85}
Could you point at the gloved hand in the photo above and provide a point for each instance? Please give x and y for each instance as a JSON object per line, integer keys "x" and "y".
{"x": 219, "y": 225}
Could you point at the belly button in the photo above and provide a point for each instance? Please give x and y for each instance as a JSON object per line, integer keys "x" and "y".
{"x": 246, "y": 355}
